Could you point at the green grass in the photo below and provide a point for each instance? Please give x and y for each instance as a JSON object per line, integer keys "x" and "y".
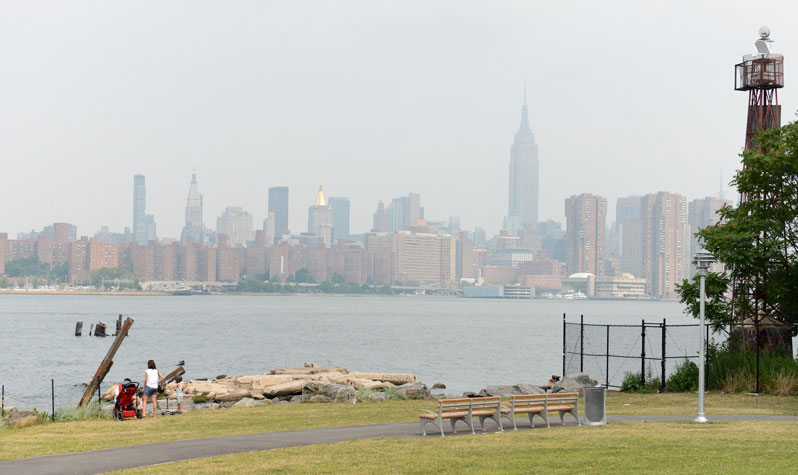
{"x": 63, "y": 437}
{"x": 722, "y": 447}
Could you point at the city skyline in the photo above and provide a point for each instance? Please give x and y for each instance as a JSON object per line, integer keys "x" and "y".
{"x": 319, "y": 110}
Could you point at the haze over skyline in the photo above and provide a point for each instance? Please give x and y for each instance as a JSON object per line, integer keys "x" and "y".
{"x": 372, "y": 100}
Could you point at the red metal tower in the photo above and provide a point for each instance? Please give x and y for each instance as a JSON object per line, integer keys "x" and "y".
{"x": 762, "y": 75}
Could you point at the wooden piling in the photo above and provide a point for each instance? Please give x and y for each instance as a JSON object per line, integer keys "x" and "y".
{"x": 79, "y": 329}
{"x": 118, "y": 324}
{"x": 99, "y": 330}
{"x": 171, "y": 376}
{"x": 106, "y": 364}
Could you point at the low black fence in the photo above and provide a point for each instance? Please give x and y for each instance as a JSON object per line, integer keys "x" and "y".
{"x": 608, "y": 351}
{"x": 652, "y": 349}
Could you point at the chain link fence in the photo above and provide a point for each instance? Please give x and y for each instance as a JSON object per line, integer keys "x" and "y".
{"x": 607, "y": 352}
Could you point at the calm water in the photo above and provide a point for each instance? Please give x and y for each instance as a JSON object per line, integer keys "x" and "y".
{"x": 465, "y": 343}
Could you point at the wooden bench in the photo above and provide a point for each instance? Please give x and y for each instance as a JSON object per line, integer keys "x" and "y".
{"x": 540, "y": 405}
{"x": 463, "y": 409}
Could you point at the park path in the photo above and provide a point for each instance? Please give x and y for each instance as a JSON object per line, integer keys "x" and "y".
{"x": 106, "y": 460}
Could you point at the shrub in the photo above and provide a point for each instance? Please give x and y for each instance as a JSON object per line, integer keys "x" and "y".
{"x": 685, "y": 378}
{"x": 364, "y": 394}
{"x": 632, "y": 383}
{"x": 731, "y": 368}
{"x": 393, "y": 395}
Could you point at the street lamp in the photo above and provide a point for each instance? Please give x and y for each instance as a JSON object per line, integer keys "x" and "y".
{"x": 702, "y": 260}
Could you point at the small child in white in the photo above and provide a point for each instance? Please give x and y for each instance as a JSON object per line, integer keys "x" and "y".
{"x": 178, "y": 387}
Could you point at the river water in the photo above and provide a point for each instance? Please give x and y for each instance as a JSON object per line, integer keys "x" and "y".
{"x": 465, "y": 343}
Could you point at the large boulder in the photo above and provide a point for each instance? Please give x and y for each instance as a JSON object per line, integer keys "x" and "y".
{"x": 393, "y": 378}
{"x": 284, "y": 389}
{"x": 414, "y": 391}
{"x": 334, "y": 392}
{"x": 16, "y": 418}
{"x": 514, "y": 390}
{"x": 573, "y": 383}
{"x": 246, "y": 402}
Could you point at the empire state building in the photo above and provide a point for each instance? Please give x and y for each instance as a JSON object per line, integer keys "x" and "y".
{"x": 524, "y": 176}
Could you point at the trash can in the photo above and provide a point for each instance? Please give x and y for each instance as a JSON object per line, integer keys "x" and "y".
{"x": 595, "y": 406}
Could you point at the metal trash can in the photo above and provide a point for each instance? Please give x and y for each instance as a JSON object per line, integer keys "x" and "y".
{"x": 595, "y": 406}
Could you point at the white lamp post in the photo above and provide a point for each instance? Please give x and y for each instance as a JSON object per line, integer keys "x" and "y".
{"x": 702, "y": 260}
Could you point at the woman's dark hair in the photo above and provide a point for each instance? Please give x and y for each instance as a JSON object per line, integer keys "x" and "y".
{"x": 151, "y": 364}
{"x": 179, "y": 379}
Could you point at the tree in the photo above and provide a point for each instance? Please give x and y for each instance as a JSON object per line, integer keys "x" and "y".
{"x": 338, "y": 278}
{"x": 757, "y": 241}
{"x": 302, "y": 276}
{"x": 717, "y": 309}
{"x": 26, "y": 267}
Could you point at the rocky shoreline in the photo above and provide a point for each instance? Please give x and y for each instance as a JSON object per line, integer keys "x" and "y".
{"x": 316, "y": 384}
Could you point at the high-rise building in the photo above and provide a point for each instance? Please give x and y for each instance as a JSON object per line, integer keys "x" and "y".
{"x": 666, "y": 243}
{"x": 139, "y": 210}
{"x": 236, "y": 224}
{"x": 552, "y": 240}
{"x": 278, "y": 204}
{"x": 340, "y": 221}
{"x": 586, "y": 217}
{"x": 397, "y": 214}
{"x": 701, "y": 213}
{"x": 320, "y": 218}
{"x": 630, "y": 235}
{"x": 194, "y": 226}
{"x": 524, "y": 178}
{"x": 414, "y": 211}
{"x": 380, "y": 220}
{"x": 269, "y": 228}
{"x": 152, "y": 234}
{"x": 480, "y": 237}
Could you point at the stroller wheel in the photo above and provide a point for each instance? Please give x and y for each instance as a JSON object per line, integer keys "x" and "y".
{"x": 118, "y": 414}
{"x": 138, "y": 413}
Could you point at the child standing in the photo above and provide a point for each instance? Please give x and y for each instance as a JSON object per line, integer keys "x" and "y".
{"x": 178, "y": 387}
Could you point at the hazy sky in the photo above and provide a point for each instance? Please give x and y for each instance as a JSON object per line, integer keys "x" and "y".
{"x": 371, "y": 99}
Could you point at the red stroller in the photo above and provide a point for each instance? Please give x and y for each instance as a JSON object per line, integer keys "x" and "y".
{"x": 124, "y": 407}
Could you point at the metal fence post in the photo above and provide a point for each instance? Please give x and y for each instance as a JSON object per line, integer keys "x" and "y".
{"x": 643, "y": 355}
{"x": 581, "y": 343}
{"x": 756, "y": 329}
{"x": 563, "y": 345}
{"x": 607, "y": 362}
{"x": 52, "y": 399}
{"x": 662, "y": 382}
{"x": 3, "y": 400}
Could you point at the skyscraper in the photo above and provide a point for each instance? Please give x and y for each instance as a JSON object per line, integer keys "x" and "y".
{"x": 524, "y": 179}
{"x": 666, "y": 243}
{"x": 320, "y": 218}
{"x": 586, "y": 217}
{"x": 194, "y": 225}
{"x": 630, "y": 235}
{"x": 700, "y": 214}
{"x": 380, "y": 219}
{"x": 139, "y": 210}
{"x": 278, "y": 204}
{"x": 237, "y": 225}
{"x": 340, "y": 210}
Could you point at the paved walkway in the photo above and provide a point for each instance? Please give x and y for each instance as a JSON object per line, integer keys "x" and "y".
{"x": 106, "y": 460}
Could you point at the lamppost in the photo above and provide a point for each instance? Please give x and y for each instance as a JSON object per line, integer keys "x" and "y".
{"x": 702, "y": 260}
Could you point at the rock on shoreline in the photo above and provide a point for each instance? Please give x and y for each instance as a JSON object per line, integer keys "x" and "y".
{"x": 309, "y": 383}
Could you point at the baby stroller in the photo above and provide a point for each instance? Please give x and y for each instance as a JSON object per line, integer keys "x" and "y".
{"x": 124, "y": 407}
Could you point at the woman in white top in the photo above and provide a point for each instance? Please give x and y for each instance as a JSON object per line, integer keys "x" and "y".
{"x": 151, "y": 378}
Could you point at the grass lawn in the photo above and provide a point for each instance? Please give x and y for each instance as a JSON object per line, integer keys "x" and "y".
{"x": 640, "y": 447}
{"x": 63, "y": 437}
